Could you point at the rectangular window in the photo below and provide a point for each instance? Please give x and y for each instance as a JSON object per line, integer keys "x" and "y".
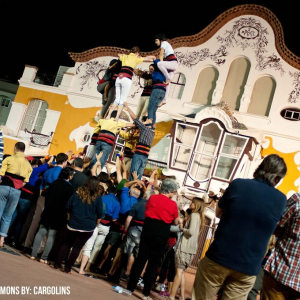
{"x": 231, "y": 150}
{"x": 185, "y": 137}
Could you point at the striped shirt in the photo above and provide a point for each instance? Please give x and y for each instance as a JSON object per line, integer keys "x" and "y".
{"x": 146, "y": 138}
{"x": 1, "y": 148}
{"x": 106, "y": 130}
{"x": 283, "y": 262}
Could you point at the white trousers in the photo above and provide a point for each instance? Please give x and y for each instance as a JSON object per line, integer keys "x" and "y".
{"x": 94, "y": 244}
{"x": 123, "y": 86}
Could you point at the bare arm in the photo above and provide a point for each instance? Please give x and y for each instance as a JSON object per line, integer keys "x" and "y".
{"x": 161, "y": 54}
{"x": 218, "y": 211}
{"x": 131, "y": 113}
{"x": 176, "y": 221}
{"x": 96, "y": 165}
{"x": 130, "y": 183}
{"x": 152, "y": 178}
{"x": 118, "y": 169}
{"x": 123, "y": 166}
{"x": 149, "y": 58}
{"x": 127, "y": 222}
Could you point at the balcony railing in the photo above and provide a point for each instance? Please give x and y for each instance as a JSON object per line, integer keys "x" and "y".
{"x": 48, "y": 79}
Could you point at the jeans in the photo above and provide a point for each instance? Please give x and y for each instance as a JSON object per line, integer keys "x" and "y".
{"x": 19, "y": 217}
{"x": 156, "y": 97}
{"x": 138, "y": 164}
{"x": 105, "y": 149}
{"x": 9, "y": 198}
{"x": 38, "y": 239}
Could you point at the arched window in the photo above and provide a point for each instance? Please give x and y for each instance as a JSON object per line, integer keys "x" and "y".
{"x": 262, "y": 96}
{"x": 177, "y": 86}
{"x": 206, "y": 84}
{"x": 235, "y": 82}
{"x": 35, "y": 116}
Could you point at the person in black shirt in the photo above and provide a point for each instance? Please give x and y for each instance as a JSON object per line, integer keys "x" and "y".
{"x": 79, "y": 178}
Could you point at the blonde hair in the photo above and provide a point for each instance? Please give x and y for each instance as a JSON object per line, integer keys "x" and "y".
{"x": 199, "y": 208}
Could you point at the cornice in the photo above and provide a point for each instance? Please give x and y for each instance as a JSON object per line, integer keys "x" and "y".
{"x": 206, "y": 34}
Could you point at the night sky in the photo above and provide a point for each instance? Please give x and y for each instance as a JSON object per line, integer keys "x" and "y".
{"x": 42, "y": 36}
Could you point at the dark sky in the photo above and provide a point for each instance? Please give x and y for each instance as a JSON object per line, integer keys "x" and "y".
{"x": 42, "y": 36}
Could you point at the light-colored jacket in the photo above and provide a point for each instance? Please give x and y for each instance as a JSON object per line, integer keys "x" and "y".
{"x": 189, "y": 239}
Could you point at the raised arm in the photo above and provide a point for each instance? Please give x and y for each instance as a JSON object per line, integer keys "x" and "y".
{"x": 96, "y": 165}
{"x": 152, "y": 178}
{"x": 131, "y": 113}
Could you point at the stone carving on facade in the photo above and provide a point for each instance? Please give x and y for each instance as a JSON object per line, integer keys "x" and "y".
{"x": 90, "y": 71}
{"x": 249, "y": 33}
{"x": 191, "y": 59}
{"x": 295, "y": 93}
{"x": 235, "y": 123}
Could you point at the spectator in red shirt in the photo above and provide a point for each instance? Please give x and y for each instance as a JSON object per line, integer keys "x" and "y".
{"x": 161, "y": 211}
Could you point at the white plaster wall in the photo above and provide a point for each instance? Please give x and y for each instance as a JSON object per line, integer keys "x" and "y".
{"x": 15, "y": 117}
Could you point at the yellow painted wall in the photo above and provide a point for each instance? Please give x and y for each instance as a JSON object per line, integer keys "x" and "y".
{"x": 9, "y": 145}
{"x": 71, "y": 118}
{"x": 292, "y": 169}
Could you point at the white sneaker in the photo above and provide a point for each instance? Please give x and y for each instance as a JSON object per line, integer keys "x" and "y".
{"x": 160, "y": 287}
{"x": 141, "y": 282}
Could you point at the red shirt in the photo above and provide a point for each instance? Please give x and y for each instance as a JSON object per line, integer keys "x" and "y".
{"x": 160, "y": 207}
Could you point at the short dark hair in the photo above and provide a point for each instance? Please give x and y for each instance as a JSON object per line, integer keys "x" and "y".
{"x": 160, "y": 36}
{"x": 61, "y": 158}
{"x": 114, "y": 114}
{"x": 271, "y": 168}
{"x": 103, "y": 176}
{"x": 78, "y": 162}
{"x": 20, "y": 146}
{"x": 112, "y": 190}
{"x": 36, "y": 161}
{"x": 144, "y": 118}
{"x": 65, "y": 173}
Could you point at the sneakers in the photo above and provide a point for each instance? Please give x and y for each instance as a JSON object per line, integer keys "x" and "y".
{"x": 141, "y": 282}
{"x": 125, "y": 277}
{"x": 164, "y": 294}
{"x": 160, "y": 287}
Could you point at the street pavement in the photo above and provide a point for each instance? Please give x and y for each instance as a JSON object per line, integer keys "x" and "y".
{"x": 22, "y": 278}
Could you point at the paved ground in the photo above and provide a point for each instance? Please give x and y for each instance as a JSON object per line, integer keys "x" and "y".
{"x": 22, "y": 278}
